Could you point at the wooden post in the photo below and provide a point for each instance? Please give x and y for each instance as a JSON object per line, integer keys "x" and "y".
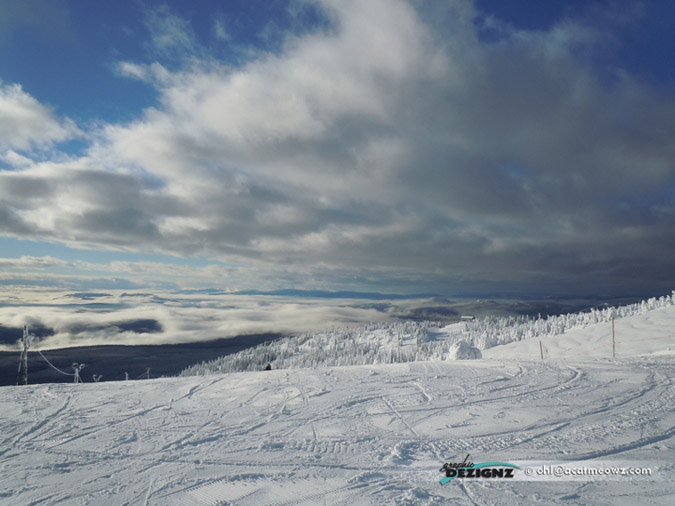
{"x": 541, "y": 350}
{"x": 613, "y": 342}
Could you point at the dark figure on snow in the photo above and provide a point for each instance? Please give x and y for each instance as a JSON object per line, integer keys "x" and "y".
{"x": 268, "y": 367}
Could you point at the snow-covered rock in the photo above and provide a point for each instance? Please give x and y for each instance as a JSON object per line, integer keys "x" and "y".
{"x": 461, "y": 350}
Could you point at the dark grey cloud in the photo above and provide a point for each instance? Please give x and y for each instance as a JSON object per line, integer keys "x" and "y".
{"x": 12, "y": 224}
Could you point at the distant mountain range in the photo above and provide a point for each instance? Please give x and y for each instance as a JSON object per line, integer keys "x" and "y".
{"x": 316, "y": 294}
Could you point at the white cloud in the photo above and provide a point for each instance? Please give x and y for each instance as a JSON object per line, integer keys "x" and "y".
{"x": 220, "y": 31}
{"x": 16, "y": 160}
{"x": 29, "y": 262}
{"x": 26, "y": 123}
{"x": 211, "y": 272}
{"x": 28, "y": 271}
{"x": 171, "y": 36}
{"x": 153, "y": 73}
{"x": 133, "y": 70}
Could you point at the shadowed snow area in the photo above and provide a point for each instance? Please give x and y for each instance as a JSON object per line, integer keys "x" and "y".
{"x": 370, "y": 434}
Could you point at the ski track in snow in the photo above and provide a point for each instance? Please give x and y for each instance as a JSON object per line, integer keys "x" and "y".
{"x": 347, "y": 435}
{"x": 366, "y": 435}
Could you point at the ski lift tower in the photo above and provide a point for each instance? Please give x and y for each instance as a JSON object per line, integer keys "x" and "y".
{"x": 24, "y": 354}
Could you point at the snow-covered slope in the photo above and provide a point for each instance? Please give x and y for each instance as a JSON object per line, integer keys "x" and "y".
{"x": 348, "y": 435}
{"x": 652, "y": 332}
{"x": 373, "y": 434}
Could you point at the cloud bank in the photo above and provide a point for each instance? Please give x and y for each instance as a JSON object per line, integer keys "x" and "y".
{"x": 62, "y": 319}
{"x": 416, "y": 145}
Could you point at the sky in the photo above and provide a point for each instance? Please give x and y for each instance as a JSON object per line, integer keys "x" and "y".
{"x": 393, "y": 146}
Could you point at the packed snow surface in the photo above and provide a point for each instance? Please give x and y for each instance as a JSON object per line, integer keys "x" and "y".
{"x": 370, "y": 434}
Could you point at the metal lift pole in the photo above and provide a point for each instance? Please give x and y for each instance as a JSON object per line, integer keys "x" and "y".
{"x": 24, "y": 355}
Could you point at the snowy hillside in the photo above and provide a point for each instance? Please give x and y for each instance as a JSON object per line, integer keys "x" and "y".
{"x": 650, "y": 332}
{"x": 372, "y": 434}
{"x": 410, "y": 341}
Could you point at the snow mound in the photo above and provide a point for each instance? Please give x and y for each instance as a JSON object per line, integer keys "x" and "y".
{"x": 461, "y": 350}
